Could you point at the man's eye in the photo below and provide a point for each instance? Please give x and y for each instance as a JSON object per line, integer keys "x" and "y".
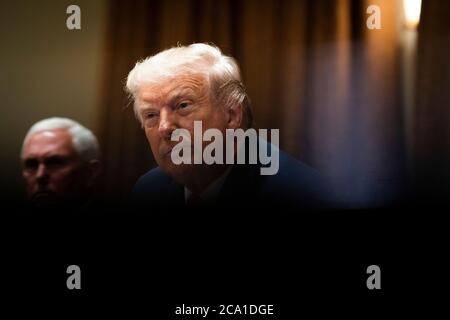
{"x": 54, "y": 162}
{"x": 183, "y": 105}
{"x": 31, "y": 164}
{"x": 150, "y": 119}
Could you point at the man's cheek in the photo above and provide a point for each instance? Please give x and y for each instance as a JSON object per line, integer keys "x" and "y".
{"x": 30, "y": 185}
{"x": 30, "y": 182}
{"x": 151, "y": 135}
{"x": 153, "y": 146}
{"x": 61, "y": 179}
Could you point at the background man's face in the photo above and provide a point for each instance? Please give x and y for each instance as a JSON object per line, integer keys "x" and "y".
{"x": 176, "y": 103}
{"x": 54, "y": 172}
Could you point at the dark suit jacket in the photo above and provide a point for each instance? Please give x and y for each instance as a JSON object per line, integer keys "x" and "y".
{"x": 295, "y": 186}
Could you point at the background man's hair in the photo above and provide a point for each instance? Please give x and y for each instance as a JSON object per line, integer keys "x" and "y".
{"x": 221, "y": 71}
{"x": 84, "y": 141}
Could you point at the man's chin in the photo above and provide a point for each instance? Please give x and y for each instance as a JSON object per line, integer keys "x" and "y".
{"x": 44, "y": 199}
{"x": 180, "y": 173}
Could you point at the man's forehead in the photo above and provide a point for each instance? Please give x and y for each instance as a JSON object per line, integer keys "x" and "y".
{"x": 46, "y": 142}
{"x": 170, "y": 87}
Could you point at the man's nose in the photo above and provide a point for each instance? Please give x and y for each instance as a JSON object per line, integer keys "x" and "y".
{"x": 42, "y": 174}
{"x": 166, "y": 123}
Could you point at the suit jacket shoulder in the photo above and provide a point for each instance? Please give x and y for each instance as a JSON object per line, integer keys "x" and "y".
{"x": 157, "y": 188}
{"x": 295, "y": 185}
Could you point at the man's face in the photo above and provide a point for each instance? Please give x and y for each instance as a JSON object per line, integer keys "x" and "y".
{"x": 176, "y": 103}
{"x": 54, "y": 172}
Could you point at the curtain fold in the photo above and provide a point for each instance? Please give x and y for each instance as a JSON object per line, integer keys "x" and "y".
{"x": 432, "y": 113}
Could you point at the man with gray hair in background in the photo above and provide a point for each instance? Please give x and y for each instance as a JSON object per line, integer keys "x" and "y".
{"x": 60, "y": 164}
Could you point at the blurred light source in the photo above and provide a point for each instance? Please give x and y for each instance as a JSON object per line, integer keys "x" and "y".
{"x": 412, "y": 12}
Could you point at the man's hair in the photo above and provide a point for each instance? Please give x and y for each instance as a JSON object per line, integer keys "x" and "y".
{"x": 83, "y": 140}
{"x": 221, "y": 71}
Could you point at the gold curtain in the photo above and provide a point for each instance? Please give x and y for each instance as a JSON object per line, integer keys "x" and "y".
{"x": 311, "y": 68}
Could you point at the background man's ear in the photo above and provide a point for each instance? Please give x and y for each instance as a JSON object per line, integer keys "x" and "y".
{"x": 235, "y": 116}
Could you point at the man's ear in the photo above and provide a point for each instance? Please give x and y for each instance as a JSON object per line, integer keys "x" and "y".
{"x": 235, "y": 115}
{"x": 94, "y": 167}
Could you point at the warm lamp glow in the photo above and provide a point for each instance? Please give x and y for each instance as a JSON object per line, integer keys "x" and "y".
{"x": 412, "y": 12}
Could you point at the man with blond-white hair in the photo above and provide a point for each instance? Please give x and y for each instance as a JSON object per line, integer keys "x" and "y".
{"x": 189, "y": 100}
{"x": 60, "y": 164}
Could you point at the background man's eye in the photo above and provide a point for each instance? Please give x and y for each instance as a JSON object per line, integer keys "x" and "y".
{"x": 55, "y": 162}
{"x": 183, "y": 105}
{"x": 31, "y": 164}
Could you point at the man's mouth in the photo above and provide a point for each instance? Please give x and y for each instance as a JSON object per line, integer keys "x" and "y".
{"x": 41, "y": 195}
{"x": 167, "y": 152}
